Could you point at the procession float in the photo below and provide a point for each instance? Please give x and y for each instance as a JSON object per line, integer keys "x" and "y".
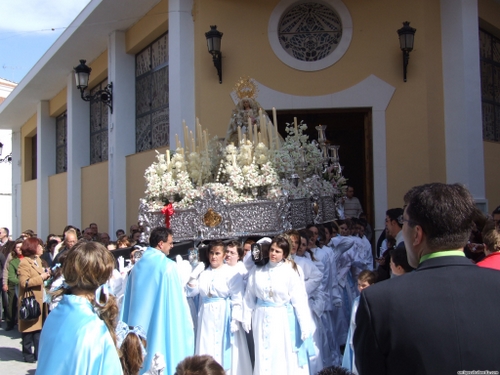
{"x": 252, "y": 183}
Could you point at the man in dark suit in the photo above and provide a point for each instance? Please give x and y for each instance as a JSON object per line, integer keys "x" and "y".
{"x": 442, "y": 318}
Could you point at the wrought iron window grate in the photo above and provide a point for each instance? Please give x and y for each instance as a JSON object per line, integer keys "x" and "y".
{"x": 310, "y": 31}
{"x": 98, "y": 127}
{"x": 61, "y": 143}
{"x": 151, "y": 96}
{"x": 489, "y": 46}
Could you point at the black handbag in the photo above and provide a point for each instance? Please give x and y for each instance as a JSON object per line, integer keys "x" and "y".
{"x": 30, "y": 308}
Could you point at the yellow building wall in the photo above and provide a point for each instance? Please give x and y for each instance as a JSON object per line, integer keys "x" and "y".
{"x": 99, "y": 69}
{"x": 58, "y": 202}
{"x": 148, "y": 28}
{"x": 28, "y": 130}
{"x": 136, "y": 184}
{"x": 489, "y": 15}
{"x": 57, "y": 105}
{"x": 95, "y": 196}
{"x": 28, "y": 206}
{"x": 414, "y": 117}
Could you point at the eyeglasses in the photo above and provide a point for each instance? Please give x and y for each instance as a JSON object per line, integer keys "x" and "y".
{"x": 411, "y": 223}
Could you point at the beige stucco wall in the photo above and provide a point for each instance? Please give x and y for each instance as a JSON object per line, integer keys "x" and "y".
{"x": 99, "y": 69}
{"x": 136, "y": 184}
{"x": 57, "y": 105}
{"x": 28, "y": 206}
{"x": 28, "y": 130}
{"x": 58, "y": 198}
{"x": 414, "y": 117}
{"x": 148, "y": 28}
{"x": 95, "y": 195}
{"x": 489, "y": 11}
{"x": 28, "y": 188}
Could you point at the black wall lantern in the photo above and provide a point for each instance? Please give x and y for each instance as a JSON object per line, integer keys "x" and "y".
{"x": 406, "y": 37}
{"x": 8, "y": 158}
{"x": 82, "y": 74}
{"x": 214, "y": 37}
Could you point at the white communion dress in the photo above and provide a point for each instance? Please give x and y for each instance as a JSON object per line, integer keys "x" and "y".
{"x": 275, "y": 301}
{"x": 221, "y": 292}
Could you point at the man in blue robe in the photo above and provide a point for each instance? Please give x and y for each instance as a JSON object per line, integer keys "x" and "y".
{"x": 155, "y": 301}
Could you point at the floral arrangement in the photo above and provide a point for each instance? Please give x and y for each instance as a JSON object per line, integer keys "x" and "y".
{"x": 241, "y": 174}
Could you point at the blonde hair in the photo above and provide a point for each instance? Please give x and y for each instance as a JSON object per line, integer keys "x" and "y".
{"x": 88, "y": 266}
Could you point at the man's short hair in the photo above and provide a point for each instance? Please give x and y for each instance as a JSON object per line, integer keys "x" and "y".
{"x": 399, "y": 258}
{"x": 496, "y": 211}
{"x": 6, "y": 230}
{"x": 159, "y": 234}
{"x": 443, "y": 211}
{"x": 237, "y": 245}
{"x": 395, "y": 214}
{"x": 335, "y": 370}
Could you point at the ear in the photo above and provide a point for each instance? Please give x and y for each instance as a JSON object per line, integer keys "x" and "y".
{"x": 418, "y": 235}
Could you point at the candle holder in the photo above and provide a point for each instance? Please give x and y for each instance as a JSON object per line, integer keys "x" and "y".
{"x": 294, "y": 179}
{"x": 334, "y": 153}
{"x": 321, "y": 133}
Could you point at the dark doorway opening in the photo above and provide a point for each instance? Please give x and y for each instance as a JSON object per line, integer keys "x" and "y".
{"x": 351, "y": 129}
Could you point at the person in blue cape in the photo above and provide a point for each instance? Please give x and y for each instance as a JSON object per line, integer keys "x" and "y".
{"x": 78, "y": 336}
{"x": 154, "y": 300}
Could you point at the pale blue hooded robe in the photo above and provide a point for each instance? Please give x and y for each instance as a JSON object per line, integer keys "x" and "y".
{"x": 154, "y": 300}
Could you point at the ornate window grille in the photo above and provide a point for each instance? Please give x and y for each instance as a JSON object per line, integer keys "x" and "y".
{"x": 310, "y": 31}
{"x": 490, "y": 84}
{"x": 61, "y": 143}
{"x": 98, "y": 127}
{"x": 151, "y": 96}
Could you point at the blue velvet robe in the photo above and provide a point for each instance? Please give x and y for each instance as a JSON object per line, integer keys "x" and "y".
{"x": 154, "y": 300}
{"x": 76, "y": 341}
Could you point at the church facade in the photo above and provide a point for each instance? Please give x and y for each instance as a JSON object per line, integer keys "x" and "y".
{"x": 331, "y": 62}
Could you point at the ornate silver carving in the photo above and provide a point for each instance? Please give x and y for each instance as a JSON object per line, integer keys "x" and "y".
{"x": 149, "y": 220}
{"x": 326, "y": 210}
{"x": 256, "y": 218}
{"x": 300, "y": 213}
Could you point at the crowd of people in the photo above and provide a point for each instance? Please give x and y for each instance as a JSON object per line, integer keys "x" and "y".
{"x": 321, "y": 300}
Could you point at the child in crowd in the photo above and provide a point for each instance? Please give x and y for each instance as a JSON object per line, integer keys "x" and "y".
{"x": 399, "y": 262}
{"x": 132, "y": 343}
{"x": 365, "y": 279}
{"x": 199, "y": 365}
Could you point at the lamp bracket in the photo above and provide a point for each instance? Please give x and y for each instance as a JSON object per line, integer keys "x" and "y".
{"x": 104, "y": 96}
{"x": 217, "y": 58}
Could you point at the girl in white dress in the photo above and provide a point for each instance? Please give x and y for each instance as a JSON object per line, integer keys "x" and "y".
{"x": 312, "y": 278}
{"x": 221, "y": 290}
{"x": 275, "y": 296}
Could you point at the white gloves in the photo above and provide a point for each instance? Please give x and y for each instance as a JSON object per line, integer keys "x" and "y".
{"x": 196, "y": 272}
{"x": 121, "y": 263}
{"x": 234, "y": 326}
{"x": 184, "y": 269}
{"x": 247, "y": 327}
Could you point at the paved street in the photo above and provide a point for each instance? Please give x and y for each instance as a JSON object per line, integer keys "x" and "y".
{"x": 11, "y": 358}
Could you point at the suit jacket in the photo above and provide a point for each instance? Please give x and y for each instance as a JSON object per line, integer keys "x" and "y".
{"x": 440, "y": 319}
